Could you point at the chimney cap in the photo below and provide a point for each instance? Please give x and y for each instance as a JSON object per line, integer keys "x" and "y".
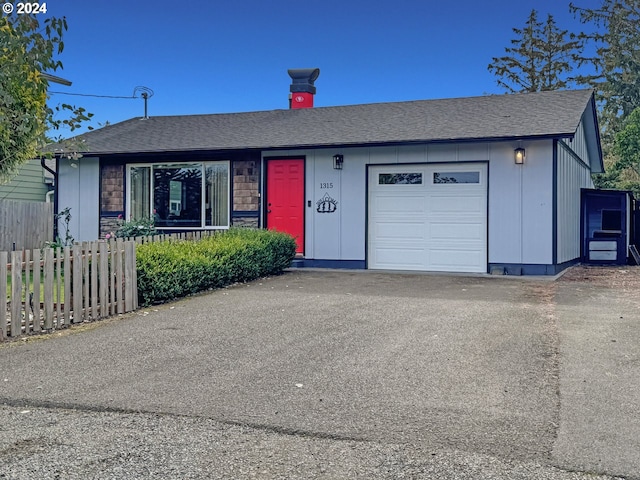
{"x": 303, "y": 78}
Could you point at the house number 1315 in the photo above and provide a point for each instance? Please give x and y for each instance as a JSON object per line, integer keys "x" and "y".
{"x": 326, "y": 185}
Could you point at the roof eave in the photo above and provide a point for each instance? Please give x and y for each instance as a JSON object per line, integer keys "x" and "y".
{"x": 305, "y": 146}
{"x": 594, "y": 141}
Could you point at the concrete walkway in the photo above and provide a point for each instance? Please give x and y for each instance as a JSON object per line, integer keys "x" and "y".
{"x": 327, "y": 374}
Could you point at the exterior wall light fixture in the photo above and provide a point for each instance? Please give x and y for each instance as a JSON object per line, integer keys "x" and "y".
{"x": 338, "y": 160}
{"x": 519, "y": 155}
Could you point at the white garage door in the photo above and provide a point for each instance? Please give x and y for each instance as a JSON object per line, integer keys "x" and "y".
{"x": 428, "y": 217}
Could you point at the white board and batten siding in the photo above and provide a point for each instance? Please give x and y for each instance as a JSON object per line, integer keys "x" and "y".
{"x": 342, "y": 235}
{"x": 578, "y": 144}
{"x": 521, "y": 204}
{"x": 573, "y": 175}
{"x": 81, "y": 180}
{"x": 517, "y": 226}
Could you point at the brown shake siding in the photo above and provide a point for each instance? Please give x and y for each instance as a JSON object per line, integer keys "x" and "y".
{"x": 111, "y": 197}
{"x": 246, "y": 196}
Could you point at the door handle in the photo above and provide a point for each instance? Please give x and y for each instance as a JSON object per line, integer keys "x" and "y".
{"x": 268, "y": 211}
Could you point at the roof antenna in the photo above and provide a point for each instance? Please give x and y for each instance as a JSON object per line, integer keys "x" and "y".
{"x": 146, "y": 93}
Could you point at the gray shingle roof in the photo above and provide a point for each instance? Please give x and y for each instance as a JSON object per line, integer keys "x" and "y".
{"x": 543, "y": 114}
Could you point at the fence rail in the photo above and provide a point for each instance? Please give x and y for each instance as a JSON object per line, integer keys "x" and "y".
{"x": 25, "y": 225}
{"x": 47, "y": 289}
{"x": 163, "y": 237}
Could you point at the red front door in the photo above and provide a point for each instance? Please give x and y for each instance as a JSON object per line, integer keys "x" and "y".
{"x": 285, "y": 198}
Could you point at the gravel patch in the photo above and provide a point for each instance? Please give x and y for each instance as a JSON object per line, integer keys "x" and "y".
{"x": 59, "y": 444}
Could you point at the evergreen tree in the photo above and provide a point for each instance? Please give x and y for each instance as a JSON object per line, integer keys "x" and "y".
{"x": 626, "y": 170}
{"x": 616, "y": 60}
{"x": 541, "y": 57}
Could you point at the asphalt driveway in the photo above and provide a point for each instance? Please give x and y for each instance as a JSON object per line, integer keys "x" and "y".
{"x": 482, "y": 376}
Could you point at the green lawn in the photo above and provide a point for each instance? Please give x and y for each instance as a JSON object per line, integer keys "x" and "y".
{"x": 55, "y": 285}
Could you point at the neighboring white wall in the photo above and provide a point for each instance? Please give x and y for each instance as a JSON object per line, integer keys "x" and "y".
{"x": 79, "y": 189}
{"x": 520, "y": 197}
{"x": 573, "y": 175}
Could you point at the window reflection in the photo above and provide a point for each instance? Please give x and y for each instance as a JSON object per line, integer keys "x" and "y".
{"x": 177, "y": 195}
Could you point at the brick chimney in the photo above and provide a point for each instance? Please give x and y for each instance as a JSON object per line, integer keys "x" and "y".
{"x": 302, "y": 88}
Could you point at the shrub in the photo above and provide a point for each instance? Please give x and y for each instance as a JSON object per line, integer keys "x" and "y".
{"x": 136, "y": 227}
{"x": 172, "y": 269}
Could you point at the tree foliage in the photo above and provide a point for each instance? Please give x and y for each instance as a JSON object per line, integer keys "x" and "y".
{"x": 625, "y": 171}
{"x": 616, "y": 42}
{"x": 541, "y": 57}
{"x": 28, "y": 49}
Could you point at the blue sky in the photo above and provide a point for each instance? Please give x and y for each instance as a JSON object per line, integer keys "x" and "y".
{"x": 220, "y": 56}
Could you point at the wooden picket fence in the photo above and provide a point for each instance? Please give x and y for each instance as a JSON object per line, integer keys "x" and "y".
{"x": 82, "y": 283}
{"x": 54, "y": 288}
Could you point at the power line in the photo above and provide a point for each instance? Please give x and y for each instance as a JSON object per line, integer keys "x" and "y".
{"x": 92, "y": 95}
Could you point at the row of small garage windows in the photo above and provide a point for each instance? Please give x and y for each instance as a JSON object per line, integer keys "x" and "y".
{"x": 415, "y": 178}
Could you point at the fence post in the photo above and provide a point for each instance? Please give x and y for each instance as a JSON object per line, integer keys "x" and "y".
{"x": 27, "y": 291}
{"x": 3, "y": 295}
{"x": 58, "y": 275}
{"x": 16, "y": 293}
{"x": 77, "y": 284}
{"x": 135, "y": 277}
{"x": 104, "y": 279}
{"x": 119, "y": 276}
{"x": 112, "y": 277}
{"x": 37, "y": 267}
{"x": 129, "y": 268}
{"x": 94, "y": 280}
{"x": 48, "y": 288}
{"x": 86, "y": 311}
{"x": 68, "y": 278}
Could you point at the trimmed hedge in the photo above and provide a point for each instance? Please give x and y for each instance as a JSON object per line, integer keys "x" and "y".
{"x": 172, "y": 269}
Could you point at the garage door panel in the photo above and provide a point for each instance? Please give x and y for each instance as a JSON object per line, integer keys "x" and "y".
{"x": 456, "y": 260}
{"x": 474, "y": 232}
{"x": 457, "y": 204}
{"x": 400, "y": 258}
{"x": 399, "y": 204}
{"x": 431, "y": 226}
{"x": 400, "y": 231}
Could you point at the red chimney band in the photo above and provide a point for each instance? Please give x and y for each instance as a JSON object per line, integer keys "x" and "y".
{"x": 302, "y": 88}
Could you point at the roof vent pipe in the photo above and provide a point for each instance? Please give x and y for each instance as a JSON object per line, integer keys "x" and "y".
{"x": 302, "y": 87}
